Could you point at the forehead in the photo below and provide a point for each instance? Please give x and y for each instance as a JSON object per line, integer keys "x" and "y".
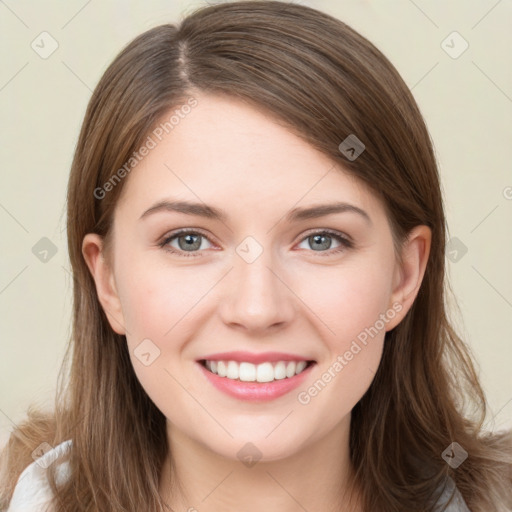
{"x": 229, "y": 153}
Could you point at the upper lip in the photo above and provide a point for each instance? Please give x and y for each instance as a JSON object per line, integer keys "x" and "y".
{"x": 250, "y": 357}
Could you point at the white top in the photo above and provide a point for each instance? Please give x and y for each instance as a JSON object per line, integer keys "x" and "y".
{"x": 33, "y": 494}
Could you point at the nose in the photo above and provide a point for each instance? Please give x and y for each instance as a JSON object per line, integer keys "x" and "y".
{"x": 257, "y": 297}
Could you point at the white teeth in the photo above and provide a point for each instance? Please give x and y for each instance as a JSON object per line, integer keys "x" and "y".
{"x": 265, "y": 372}
{"x": 290, "y": 369}
{"x": 248, "y": 372}
{"x": 221, "y": 369}
{"x": 232, "y": 371}
{"x": 280, "y": 370}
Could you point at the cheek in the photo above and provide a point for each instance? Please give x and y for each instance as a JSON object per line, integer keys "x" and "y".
{"x": 352, "y": 305}
{"x": 159, "y": 301}
{"x": 352, "y": 347}
{"x": 156, "y": 303}
{"x": 156, "y": 298}
{"x": 348, "y": 299}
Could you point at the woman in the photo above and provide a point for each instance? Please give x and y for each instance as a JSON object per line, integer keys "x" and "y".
{"x": 220, "y": 340}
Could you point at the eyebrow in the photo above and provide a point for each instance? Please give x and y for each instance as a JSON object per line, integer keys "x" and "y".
{"x": 296, "y": 214}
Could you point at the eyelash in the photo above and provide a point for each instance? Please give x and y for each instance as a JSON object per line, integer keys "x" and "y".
{"x": 345, "y": 242}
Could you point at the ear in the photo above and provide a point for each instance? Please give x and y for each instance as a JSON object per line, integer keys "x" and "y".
{"x": 102, "y": 273}
{"x": 408, "y": 275}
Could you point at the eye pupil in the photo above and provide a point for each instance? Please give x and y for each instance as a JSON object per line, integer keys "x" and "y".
{"x": 317, "y": 239}
{"x": 190, "y": 243}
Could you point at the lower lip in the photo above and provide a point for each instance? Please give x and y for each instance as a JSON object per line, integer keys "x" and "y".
{"x": 256, "y": 391}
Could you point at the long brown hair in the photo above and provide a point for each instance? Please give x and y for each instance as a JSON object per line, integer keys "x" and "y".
{"x": 325, "y": 82}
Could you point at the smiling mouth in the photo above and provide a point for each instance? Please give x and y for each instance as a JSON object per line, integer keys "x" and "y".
{"x": 249, "y": 372}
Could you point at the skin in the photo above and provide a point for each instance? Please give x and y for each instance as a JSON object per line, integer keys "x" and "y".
{"x": 298, "y": 296}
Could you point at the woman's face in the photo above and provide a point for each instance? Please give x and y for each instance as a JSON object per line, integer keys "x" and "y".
{"x": 260, "y": 275}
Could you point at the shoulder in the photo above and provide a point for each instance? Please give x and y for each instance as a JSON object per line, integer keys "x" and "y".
{"x": 32, "y": 491}
{"x": 457, "y": 504}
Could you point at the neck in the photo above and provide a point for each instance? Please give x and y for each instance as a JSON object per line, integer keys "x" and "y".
{"x": 316, "y": 477}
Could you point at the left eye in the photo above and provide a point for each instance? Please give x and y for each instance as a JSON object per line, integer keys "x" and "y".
{"x": 322, "y": 240}
{"x": 191, "y": 242}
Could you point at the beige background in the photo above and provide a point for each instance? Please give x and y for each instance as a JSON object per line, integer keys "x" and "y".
{"x": 467, "y": 103}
